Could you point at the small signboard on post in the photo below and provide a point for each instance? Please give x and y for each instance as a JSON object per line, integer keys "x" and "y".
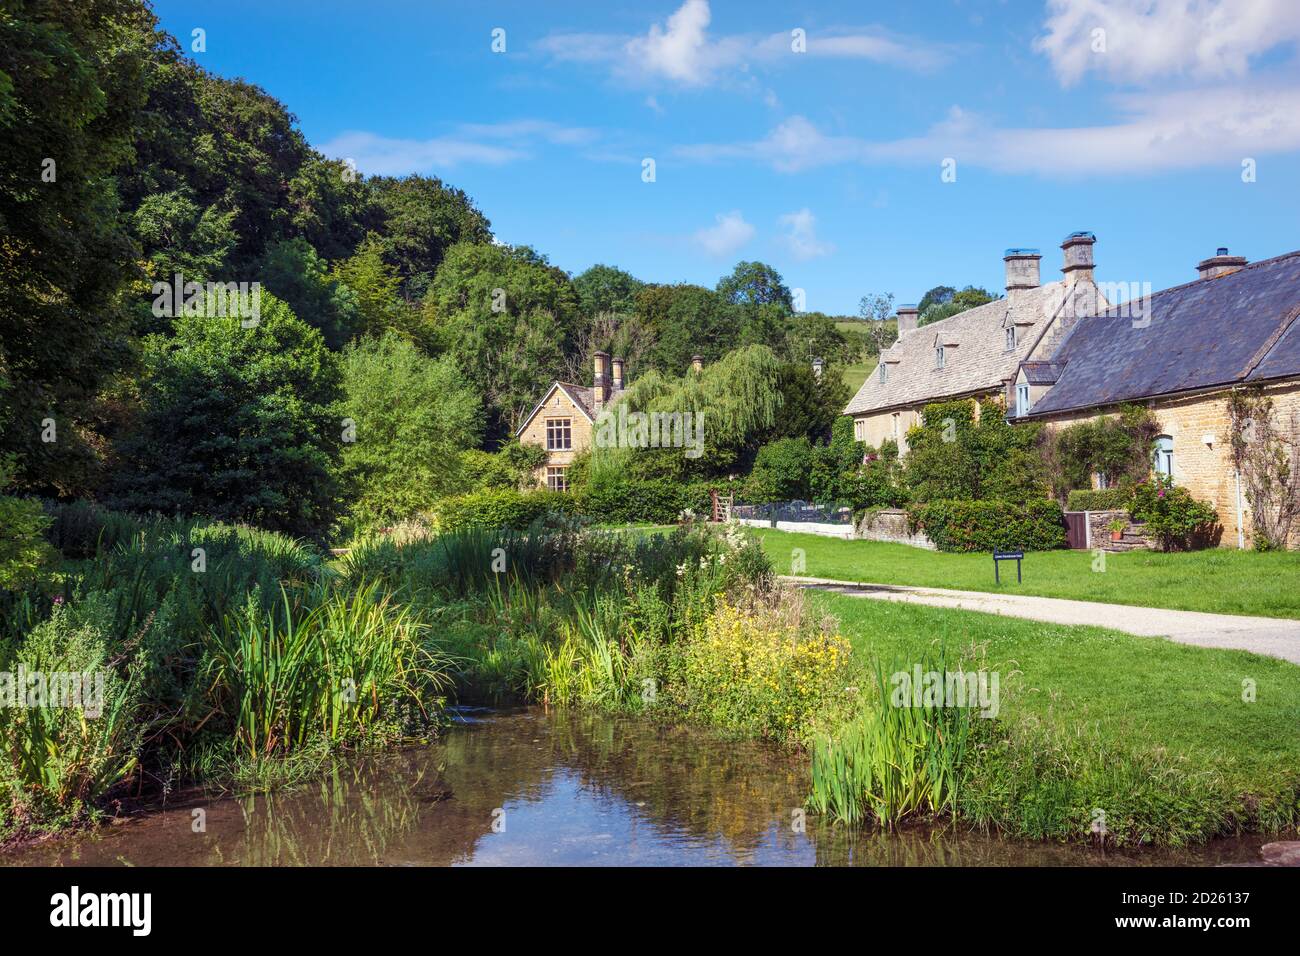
{"x": 1016, "y": 556}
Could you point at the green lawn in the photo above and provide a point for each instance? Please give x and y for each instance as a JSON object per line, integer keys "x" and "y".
{"x": 856, "y": 374}
{"x": 1103, "y": 697}
{"x": 1219, "y": 580}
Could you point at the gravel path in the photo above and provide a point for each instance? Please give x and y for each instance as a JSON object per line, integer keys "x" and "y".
{"x": 1274, "y": 637}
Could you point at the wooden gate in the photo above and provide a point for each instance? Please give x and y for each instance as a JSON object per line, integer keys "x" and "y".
{"x": 1076, "y": 529}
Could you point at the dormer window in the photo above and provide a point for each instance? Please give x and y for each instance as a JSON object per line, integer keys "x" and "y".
{"x": 1011, "y": 337}
{"x": 884, "y": 373}
{"x": 938, "y": 356}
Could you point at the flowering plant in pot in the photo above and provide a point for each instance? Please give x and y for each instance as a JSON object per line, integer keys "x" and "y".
{"x": 1117, "y": 529}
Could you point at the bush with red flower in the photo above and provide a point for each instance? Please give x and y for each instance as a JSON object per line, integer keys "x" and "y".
{"x": 1174, "y": 519}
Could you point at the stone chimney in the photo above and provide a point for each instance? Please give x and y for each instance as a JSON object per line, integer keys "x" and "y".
{"x": 1220, "y": 264}
{"x": 617, "y": 365}
{"x": 908, "y": 317}
{"x": 697, "y": 363}
{"x": 600, "y": 381}
{"x": 1077, "y": 261}
{"x": 818, "y": 364}
{"x": 1022, "y": 269}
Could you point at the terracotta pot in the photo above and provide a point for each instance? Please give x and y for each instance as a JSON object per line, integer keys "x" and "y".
{"x": 1117, "y": 536}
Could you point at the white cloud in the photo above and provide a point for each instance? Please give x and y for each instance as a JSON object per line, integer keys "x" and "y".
{"x": 1145, "y": 39}
{"x": 723, "y": 239}
{"x": 1181, "y": 130}
{"x": 472, "y": 144}
{"x": 800, "y": 239}
{"x": 683, "y": 53}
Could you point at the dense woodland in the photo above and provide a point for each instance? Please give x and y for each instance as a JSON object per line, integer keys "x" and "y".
{"x": 386, "y": 304}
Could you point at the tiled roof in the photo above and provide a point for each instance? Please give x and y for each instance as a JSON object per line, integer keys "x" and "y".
{"x": 581, "y": 396}
{"x": 975, "y": 354}
{"x": 1232, "y": 328}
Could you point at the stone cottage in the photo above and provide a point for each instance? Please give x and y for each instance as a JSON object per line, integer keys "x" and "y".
{"x": 1180, "y": 352}
{"x": 563, "y": 420}
{"x": 977, "y": 353}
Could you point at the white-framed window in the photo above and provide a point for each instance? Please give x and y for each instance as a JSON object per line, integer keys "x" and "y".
{"x": 1022, "y": 400}
{"x": 884, "y": 371}
{"x": 938, "y": 356}
{"x": 1011, "y": 337}
{"x": 559, "y": 434}
{"x": 1164, "y": 456}
{"x": 858, "y": 427}
{"x": 557, "y": 478}
{"x": 894, "y": 423}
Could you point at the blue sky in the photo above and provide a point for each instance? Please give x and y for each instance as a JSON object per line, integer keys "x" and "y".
{"x": 826, "y": 163}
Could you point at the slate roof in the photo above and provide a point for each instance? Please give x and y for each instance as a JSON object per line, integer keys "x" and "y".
{"x": 979, "y": 361}
{"x": 1041, "y": 373}
{"x": 1212, "y": 332}
{"x": 581, "y": 396}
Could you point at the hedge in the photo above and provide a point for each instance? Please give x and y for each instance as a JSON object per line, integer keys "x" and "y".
{"x": 1101, "y": 499}
{"x": 658, "y": 501}
{"x": 990, "y": 525}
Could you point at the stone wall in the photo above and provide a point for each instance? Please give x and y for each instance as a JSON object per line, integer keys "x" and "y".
{"x": 1134, "y": 537}
{"x": 890, "y": 524}
{"x": 558, "y": 405}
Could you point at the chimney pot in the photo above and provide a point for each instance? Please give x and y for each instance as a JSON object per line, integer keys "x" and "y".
{"x": 908, "y": 317}
{"x": 1220, "y": 264}
{"x": 1022, "y": 269}
{"x": 617, "y": 365}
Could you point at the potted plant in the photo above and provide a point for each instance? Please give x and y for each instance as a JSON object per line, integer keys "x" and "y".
{"x": 1117, "y": 529}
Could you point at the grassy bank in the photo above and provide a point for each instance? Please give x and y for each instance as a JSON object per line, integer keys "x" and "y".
{"x": 1221, "y": 580}
{"x": 1154, "y": 734}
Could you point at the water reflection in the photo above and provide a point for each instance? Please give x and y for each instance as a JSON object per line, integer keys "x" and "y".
{"x": 528, "y": 788}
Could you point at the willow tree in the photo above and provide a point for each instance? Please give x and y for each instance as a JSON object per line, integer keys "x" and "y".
{"x": 736, "y": 400}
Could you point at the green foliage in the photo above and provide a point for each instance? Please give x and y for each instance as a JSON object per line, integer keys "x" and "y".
{"x": 239, "y": 424}
{"x": 1116, "y": 447}
{"x": 953, "y": 456}
{"x": 1101, "y": 499}
{"x": 295, "y": 274}
{"x": 627, "y": 500}
{"x": 67, "y": 748}
{"x": 413, "y": 417}
{"x": 1176, "y": 520}
{"x": 501, "y": 508}
{"x": 423, "y": 219}
{"x": 513, "y": 467}
{"x": 894, "y": 759}
{"x": 961, "y": 525}
{"x": 508, "y": 318}
{"x": 759, "y": 672}
{"x": 782, "y": 472}
{"x": 942, "y": 302}
{"x": 755, "y": 283}
{"x": 339, "y": 668}
{"x": 71, "y": 79}
{"x": 25, "y": 556}
{"x": 603, "y": 288}
{"x": 375, "y": 290}
{"x": 1263, "y": 453}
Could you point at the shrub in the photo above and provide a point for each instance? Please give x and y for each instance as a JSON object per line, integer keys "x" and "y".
{"x": 501, "y": 508}
{"x": 412, "y": 417}
{"x": 25, "y": 556}
{"x": 56, "y": 762}
{"x": 657, "y": 500}
{"x": 758, "y": 672}
{"x": 990, "y": 525}
{"x": 1118, "y": 447}
{"x": 1099, "y": 499}
{"x": 781, "y": 471}
{"x": 1176, "y": 520}
{"x": 955, "y": 455}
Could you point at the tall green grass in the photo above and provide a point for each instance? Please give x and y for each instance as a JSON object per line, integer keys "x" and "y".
{"x": 337, "y": 666}
{"x": 891, "y": 762}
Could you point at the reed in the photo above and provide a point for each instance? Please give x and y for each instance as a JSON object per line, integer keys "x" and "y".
{"x": 891, "y": 762}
